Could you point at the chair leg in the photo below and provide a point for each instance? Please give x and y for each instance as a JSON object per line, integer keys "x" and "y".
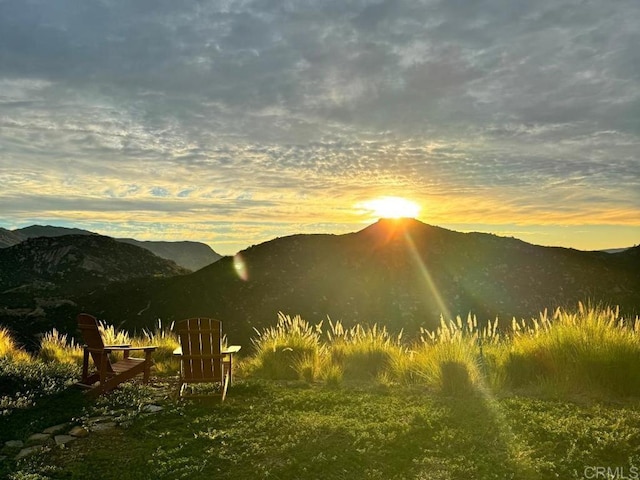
{"x": 147, "y": 367}
{"x": 85, "y": 365}
{"x": 225, "y": 385}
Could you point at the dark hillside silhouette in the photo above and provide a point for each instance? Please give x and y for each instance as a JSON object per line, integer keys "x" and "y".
{"x": 401, "y": 273}
{"x": 41, "y": 277}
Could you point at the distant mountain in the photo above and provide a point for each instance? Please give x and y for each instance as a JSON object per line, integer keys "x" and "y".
{"x": 403, "y": 274}
{"x": 8, "y": 238}
{"x": 48, "y": 272}
{"x": 191, "y": 255}
{"x": 49, "y": 231}
{"x": 74, "y": 263}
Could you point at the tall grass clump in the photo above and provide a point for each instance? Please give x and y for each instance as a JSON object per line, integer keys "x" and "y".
{"x": 56, "y": 347}
{"x": 111, "y": 336}
{"x": 289, "y": 350}
{"x": 166, "y": 340}
{"x": 449, "y": 358}
{"x": 592, "y": 350}
{"x": 9, "y": 349}
{"x": 362, "y": 353}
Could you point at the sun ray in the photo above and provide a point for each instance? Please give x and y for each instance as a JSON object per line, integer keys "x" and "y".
{"x": 444, "y": 310}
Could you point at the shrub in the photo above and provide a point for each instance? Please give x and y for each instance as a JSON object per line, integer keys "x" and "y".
{"x": 111, "y": 336}
{"x": 448, "y": 359}
{"x": 166, "y": 341}
{"x": 281, "y": 350}
{"x": 362, "y": 353}
{"x": 592, "y": 350}
{"x": 332, "y": 374}
{"x": 21, "y": 382}
{"x": 9, "y": 348}
{"x": 55, "y": 347}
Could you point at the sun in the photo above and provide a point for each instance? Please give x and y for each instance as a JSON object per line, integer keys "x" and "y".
{"x": 392, "y": 207}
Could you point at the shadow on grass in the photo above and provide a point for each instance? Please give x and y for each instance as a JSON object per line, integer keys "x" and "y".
{"x": 46, "y": 412}
{"x": 460, "y": 435}
{"x": 297, "y": 431}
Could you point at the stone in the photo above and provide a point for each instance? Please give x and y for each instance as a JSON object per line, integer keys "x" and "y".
{"x": 14, "y": 444}
{"x": 100, "y": 427}
{"x": 101, "y": 419}
{"x": 152, "y": 408}
{"x": 121, "y": 419}
{"x": 55, "y": 428}
{"x": 38, "y": 438}
{"x": 78, "y": 432}
{"x": 62, "y": 439}
{"x": 25, "y": 452}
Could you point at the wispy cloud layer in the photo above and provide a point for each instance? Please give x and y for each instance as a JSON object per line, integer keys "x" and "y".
{"x": 236, "y": 121}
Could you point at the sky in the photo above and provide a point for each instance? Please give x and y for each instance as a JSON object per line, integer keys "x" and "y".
{"x": 235, "y": 122}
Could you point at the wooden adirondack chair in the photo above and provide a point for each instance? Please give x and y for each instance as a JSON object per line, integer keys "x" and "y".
{"x": 202, "y": 358}
{"x": 109, "y": 375}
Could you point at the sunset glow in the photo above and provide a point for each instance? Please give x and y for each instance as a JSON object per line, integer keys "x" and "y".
{"x": 232, "y": 123}
{"x": 392, "y": 207}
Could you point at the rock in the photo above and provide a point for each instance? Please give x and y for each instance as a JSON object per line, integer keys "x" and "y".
{"x": 121, "y": 419}
{"x": 78, "y": 432}
{"x": 100, "y": 427}
{"x": 94, "y": 420}
{"x": 25, "y": 452}
{"x": 38, "y": 438}
{"x": 62, "y": 439}
{"x": 55, "y": 429}
{"x": 152, "y": 408}
{"x": 14, "y": 444}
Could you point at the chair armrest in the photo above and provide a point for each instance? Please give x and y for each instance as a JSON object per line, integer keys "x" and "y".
{"x": 231, "y": 349}
{"x": 122, "y": 348}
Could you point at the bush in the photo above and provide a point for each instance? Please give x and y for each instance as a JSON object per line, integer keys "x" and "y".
{"x": 55, "y": 347}
{"x": 592, "y": 350}
{"x": 362, "y": 353}
{"x": 447, "y": 359}
{"x": 21, "y": 382}
{"x": 9, "y": 348}
{"x": 281, "y": 350}
{"x": 166, "y": 341}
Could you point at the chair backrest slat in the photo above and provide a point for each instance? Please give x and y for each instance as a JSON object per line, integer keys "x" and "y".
{"x": 88, "y": 326}
{"x": 201, "y": 339}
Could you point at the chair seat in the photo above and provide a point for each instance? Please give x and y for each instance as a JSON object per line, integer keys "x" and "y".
{"x": 109, "y": 375}
{"x": 126, "y": 364}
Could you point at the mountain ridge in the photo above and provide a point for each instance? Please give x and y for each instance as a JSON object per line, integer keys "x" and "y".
{"x": 403, "y": 274}
{"x": 188, "y": 254}
{"x": 405, "y": 278}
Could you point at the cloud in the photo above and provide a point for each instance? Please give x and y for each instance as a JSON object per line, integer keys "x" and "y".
{"x": 496, "y": 109}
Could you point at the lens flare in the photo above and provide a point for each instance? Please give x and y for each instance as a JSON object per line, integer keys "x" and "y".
{"x": 240, "y": 267}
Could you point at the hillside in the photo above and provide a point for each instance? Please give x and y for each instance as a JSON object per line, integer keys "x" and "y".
{"x": 191, "y": 255}
{"x": 42, "y": 275}
{"x": 404, "y": 274}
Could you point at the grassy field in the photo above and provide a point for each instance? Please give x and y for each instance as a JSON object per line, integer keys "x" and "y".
{"x": 552, "y": 397}
{"x": 296, "y": 430}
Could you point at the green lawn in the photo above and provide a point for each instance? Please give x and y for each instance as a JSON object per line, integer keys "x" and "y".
{"x": 293, "y": 430}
